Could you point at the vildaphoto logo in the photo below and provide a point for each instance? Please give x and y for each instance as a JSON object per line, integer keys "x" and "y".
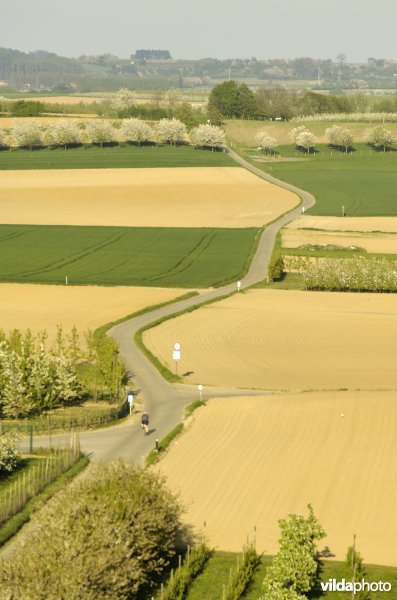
{"x": 333, "y": 585}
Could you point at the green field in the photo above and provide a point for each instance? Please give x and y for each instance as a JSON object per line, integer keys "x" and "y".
{"x": 162, "y": 257}
{"x": 209, "y": 585}
{"x": 113, "y": 157}
{"x": 365, "y": 184}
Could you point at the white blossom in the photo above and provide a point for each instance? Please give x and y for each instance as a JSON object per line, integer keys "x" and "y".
{"x": 207, "y": 136}
{"x": 123, "y": 101}
{"x": 170, "y": 131}
{"x": 136, "y": 130}
{"x": 27, "y": 134}
{"x": 100, "y": 131}
{"x": 265, "y": 141}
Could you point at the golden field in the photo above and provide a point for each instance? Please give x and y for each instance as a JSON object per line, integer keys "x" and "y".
{"x": 161, "y": 197}
{"x": 372, "y": 242}
{"x": 247, "y": 462}
{"x": 286, "y": 340}
{"x": 39, "y": 307}
{"x": 370, "y": 224}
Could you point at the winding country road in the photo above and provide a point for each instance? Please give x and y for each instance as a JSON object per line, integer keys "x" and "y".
{"x": 165, "y": 402}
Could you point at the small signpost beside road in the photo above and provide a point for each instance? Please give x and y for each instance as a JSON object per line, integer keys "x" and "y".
{"x": 130, "y": 398}
{"x": 176, "y": 355}
{"x": 200, "y": 389}
{"x": 238, "y": 286}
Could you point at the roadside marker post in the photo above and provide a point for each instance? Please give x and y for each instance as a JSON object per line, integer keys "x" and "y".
{"x": 130, "y": 398}
{"x": 238, "y": 286}
{"x": 176, "y": 355}
{"x": 200, "y": 389}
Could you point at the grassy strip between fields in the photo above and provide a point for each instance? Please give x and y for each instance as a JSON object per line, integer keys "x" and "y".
{"x": 163, "y": 370}
{"x": 13, "y": 525}
{"x": 209, "y": 584}
{"x": 154, "y": 455}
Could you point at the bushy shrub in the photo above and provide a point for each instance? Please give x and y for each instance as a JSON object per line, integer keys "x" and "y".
{"x": 107, "y": 536}
{"x": 275, "y": 268}
{"x": 9, "y": 455}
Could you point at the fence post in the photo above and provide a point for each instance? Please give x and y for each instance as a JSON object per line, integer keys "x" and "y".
{"x": 30, "y": 439}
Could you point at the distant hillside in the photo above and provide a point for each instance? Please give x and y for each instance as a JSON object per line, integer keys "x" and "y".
{"x": 45, "y": 70}
{"x": 156, "y": 69}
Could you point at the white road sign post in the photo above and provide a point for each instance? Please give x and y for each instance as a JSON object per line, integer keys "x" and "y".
{"x": 130, "y": 398}
{"x": 176, "y": 355}
{"x": 238, "y": 285}
{"x": 200, "y": 389}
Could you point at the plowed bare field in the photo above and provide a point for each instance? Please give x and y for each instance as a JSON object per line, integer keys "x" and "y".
{"x": 38, "y": 307}
{"x": 386, "y": 224}
{"x": 372, "y": 242}
{"x": 250, "y": 461}
{"x": 286, "y": 340}
{"x": 177, "y": 197}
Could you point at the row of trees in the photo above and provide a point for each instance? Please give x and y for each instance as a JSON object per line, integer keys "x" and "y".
{"x": 337, "y": 136}
{"x": 35, "y": 378}
{"x": 66, "y": 132}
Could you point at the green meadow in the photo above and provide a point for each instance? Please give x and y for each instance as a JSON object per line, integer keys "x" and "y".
{"x": 161, "y": 257}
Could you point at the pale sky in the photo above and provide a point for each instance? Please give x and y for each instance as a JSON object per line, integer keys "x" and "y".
{"x": 203, "y": 28}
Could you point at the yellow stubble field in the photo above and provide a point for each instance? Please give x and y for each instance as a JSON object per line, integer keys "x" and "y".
{"x": 39, "y": 307}
{"x": 286, "y": 340}
{"x": 161, "y": 197}
{"x": 247, "y": 462}
{"x": 372, "y": 242}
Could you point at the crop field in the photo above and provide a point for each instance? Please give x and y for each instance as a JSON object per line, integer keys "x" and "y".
{"x": 371, "y": 242}
{"x": 286, "y": 340}
{"x": 250, "y": 461}
{"x": 120, "y": 156}
{"x": 158, "y": 257}
{"x": 39, "y": 307}
{"x": 362, "y": 184}
{"x": 178, "y": 197}
{"x": 354, "y": 224}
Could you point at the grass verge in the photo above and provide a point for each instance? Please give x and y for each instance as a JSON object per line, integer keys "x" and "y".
{"x": 154, "y": 455}
{"x": 13, "y": 525}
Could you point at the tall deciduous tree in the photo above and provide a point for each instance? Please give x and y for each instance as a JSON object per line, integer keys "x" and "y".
{"x": 100, "y": 132}
{"x": 380, "y": 137}
{"x": 170, "y": 131}
{"x": 136, "y": 131}
{"x": 294, "y": 569}
{"x": 232, "y": 100}
{"x": 27, "y": 134}
{"x": 265, "y": 141}
{"x": 124, "y": 102}
{"x": 207, "y": 136}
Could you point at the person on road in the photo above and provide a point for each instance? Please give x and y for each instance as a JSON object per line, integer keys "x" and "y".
{"x": 145, "y": 423}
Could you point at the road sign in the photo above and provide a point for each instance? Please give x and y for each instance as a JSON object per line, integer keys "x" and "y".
{"x": 238, "y": 285}
{"x": 176, "y": 354}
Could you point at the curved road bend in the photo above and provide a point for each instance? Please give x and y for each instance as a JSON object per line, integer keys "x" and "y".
{"x": 164, "y": 401}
